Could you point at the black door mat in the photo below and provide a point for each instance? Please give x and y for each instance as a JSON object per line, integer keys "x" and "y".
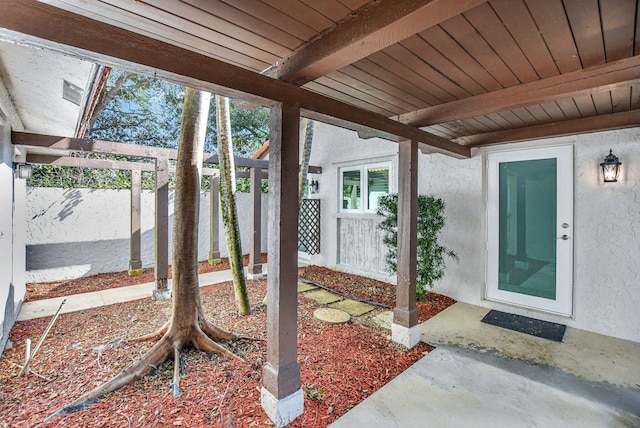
{"x": 534, "y": 327}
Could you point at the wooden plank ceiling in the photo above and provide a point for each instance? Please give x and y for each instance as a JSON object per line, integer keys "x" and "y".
{"x": 472, "y": 71}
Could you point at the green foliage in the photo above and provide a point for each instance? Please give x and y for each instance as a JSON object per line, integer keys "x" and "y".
{"x": 138, "y": 109}
{"x": 68, "y": 177}
{"x": 430, "y": 254}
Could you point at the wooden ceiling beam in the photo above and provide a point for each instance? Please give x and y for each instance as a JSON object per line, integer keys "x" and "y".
{"x": 382, "y": 24}
{"x": 32, "y": 22}
{"x": 595, "y": 79}
{"x": 585, "y": 125}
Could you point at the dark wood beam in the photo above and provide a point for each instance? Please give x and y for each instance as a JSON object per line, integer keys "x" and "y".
{"x": 369, "y": 30}
{"x": 89, "y": 163}
{"x": 90, "y": 146}
{"x": 38, "y": 24}
{"x": 76, "y": 162}
{"x": 585, "y": 125}
{"x": 239, "y": 162}
{"x": 596, "y": 79}
{"x": 114, "y": 148}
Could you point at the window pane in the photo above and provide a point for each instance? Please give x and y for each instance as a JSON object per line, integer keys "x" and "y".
{"x": 378, "y": 185}
{"x": 351, "y": 190}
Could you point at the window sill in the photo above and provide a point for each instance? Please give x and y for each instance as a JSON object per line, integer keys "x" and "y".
{"x": 357, "y": 215}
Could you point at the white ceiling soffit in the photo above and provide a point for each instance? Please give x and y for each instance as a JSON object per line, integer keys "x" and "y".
{"x": 35, "y": 79}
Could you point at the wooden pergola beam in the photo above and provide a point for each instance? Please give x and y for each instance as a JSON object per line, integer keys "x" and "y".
{"x": 113, "y": 148}
{"x": 605, "y": 77}
{"x": 382, "y": 24}
{"x": 90, "y": 146}
{"x": 126, "y": 166}
{"x": 89, "y": 163}
{"x": 585, "y": 125}
{"x": 38, "y": 24}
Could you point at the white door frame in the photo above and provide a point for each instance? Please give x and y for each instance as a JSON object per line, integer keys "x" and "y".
{"x": 563, "y": 303}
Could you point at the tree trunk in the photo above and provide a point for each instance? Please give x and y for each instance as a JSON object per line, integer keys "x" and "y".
{"x": 228, "y": 204}
{"x": 188, "y": 324}
{"x": 306, "y": 156}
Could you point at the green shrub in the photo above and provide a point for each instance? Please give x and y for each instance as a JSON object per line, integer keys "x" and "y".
{"x": 430, "y": 254}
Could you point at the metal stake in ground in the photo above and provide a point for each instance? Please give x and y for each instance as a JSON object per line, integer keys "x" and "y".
{"x": 25, "y": 369}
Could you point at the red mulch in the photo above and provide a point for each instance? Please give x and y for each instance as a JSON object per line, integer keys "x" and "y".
{"x": 341, "y": 365}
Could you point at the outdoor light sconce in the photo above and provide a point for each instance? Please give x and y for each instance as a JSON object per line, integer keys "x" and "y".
{"x": 610, "y": 168}
{"x": 23, "y": 171}
{"x": 314, "y": 186}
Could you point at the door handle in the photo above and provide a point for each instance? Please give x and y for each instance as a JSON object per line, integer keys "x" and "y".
{"x": 563, "y": 237}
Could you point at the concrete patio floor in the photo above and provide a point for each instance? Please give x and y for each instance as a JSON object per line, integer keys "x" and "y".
{"x": 486, "y": 376}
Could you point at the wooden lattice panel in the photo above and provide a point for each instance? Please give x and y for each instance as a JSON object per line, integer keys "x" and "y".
{"x": 309, "y": 226}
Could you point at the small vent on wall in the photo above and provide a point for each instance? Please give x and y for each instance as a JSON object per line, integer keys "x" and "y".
{"x": 71, "y": 92}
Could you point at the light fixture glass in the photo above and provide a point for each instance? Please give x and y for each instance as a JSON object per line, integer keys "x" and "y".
{"x": 24, "y": 171}
{"x": 610, "y": 168}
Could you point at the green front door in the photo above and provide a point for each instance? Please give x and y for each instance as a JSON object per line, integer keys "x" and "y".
{"x": 530, "y": 223}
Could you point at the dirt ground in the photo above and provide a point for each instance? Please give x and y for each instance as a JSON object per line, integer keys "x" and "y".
{"x": 341, "y": 365}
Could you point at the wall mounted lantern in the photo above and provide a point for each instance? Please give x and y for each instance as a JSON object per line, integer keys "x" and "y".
{"x": 314, "y": 186}
{"x": 23, "y": 171}
{"x": 610, "y": 168}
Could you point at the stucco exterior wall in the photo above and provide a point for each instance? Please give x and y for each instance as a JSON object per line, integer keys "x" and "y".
{"x": 12, "y": 248}
{"x": 606, "y": 223}
{"x": 72, "y": 233}
{"x": 606, "y": 226}
{"x": 344, "y": 245}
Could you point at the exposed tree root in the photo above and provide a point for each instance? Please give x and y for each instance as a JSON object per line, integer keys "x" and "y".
{"x": 170, "y": 344}
{"x": 156, "y": 335}
{"x": 176, "y": 372}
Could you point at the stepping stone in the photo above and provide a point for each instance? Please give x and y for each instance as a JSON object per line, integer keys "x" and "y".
{"x": 353, "y": 307}
{"x": 303, "y": 286}
{"x": 331, "y": 316}
{"x": 322, "y": 296}
{"x": 384, "y": 319}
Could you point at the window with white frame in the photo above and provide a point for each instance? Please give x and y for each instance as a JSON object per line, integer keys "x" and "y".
{"x": 362, "y": 186}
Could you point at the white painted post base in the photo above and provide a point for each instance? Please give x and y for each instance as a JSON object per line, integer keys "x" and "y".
{"x": 161, "y": 294}
{"x": 283, "y": 411}
{"x": 255, "y": 276}
{"x": 407, "y": 336}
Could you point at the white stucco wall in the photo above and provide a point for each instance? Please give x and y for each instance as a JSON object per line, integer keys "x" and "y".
{"x": 12, "y": 248}
{"x": 335, "y": 148}
{"x": 606, "y": 223}
{"x": 72, "y": 233}
{"x": 606, "y": 227}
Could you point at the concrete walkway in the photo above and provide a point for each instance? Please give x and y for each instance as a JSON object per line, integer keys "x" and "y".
{"x": 84, "y": 301}
{"x": 486, "y": 376}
